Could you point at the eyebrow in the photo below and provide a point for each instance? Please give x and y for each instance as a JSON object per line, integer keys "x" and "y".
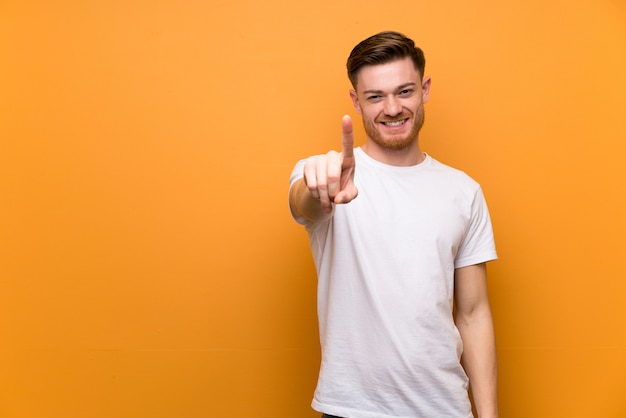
{"x": 399, "y": 88}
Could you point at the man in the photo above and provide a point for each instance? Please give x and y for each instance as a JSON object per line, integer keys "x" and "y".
{"x": 400, "y": 243}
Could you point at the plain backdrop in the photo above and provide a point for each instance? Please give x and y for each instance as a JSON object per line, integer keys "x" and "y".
{"x": 149, "y": 266}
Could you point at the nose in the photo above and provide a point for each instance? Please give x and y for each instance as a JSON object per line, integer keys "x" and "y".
{"x": 393, "y": 107}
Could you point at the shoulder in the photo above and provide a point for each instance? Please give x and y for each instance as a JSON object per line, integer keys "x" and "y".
{"x": 451, "y": 175}
{"x": 447, "y": 169}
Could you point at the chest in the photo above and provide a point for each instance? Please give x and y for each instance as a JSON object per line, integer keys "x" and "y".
{"x": 401, "y": 216}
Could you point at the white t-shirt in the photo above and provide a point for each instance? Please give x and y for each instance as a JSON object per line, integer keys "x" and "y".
{"x": 385, "y": 265}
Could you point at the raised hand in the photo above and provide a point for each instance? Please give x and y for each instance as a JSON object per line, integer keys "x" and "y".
{"x": 330, "y": 177}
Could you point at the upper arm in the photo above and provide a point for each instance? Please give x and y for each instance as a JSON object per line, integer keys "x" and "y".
{"x": 470, "y": 289}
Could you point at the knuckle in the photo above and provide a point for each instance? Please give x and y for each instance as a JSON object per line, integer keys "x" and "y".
{"x": 333, "y": 174}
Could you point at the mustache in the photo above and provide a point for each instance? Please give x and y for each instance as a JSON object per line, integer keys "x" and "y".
{"x": 398, "y": 118}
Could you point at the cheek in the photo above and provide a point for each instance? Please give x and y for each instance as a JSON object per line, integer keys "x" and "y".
{"x": 358, "y": 109}
{"x": 370, "y": 112}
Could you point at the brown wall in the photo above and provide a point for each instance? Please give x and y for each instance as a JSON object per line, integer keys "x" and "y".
{"x": 148, "y": 263}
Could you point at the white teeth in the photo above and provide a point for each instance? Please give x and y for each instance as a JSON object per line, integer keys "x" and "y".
{"x": 398, "y": 123}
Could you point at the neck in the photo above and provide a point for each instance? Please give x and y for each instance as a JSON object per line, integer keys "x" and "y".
{"x": 404, "y": 157}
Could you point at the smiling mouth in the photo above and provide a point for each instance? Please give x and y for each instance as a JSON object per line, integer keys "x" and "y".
{"x": 395, "y": 123}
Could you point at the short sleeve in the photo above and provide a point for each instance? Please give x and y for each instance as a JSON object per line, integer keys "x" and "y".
{"x": 478, "y": 245}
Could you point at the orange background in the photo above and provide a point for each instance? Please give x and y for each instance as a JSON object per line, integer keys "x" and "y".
{"x": 148, "y": 263}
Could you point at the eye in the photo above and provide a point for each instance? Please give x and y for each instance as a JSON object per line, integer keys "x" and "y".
{"x": 406, "y": 92}
{"x": 373, "y": 97}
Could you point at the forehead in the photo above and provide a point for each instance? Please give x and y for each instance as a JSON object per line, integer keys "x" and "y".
{"x": 388, "y": 76}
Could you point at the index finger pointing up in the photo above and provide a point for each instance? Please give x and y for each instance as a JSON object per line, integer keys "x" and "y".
{"x": 347, "y": 137}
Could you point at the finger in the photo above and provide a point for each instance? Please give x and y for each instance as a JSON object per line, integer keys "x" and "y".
{"x": 322, "y": 185}
{"x": 347, "y": 195}
{"x": 333, "y": 174}
{"x": 347, "y": 137}
{"x": 310, "y": 180}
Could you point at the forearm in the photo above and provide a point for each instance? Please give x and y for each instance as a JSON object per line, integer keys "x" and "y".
{"x": 304, "y": 205}
{"x": 479, "y": 360}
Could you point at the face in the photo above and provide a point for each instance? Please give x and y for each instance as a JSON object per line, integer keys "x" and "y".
{"x": 390, "y": 98}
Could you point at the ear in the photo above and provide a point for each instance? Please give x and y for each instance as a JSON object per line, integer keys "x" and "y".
{"x": 355, "y": 101}
{"x": 425, "y": 89}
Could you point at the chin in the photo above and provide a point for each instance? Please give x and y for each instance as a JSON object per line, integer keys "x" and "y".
{"x": 394, "y": 144}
